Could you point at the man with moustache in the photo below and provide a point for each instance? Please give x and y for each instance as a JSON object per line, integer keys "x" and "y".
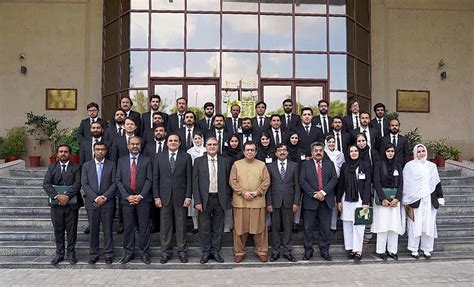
{"x": 84, "y": 126}
{"x": 134, "y": 182}
{"x": 323, "y": 121}
{"x": 149, "y": 134}
{"x": 176, "y": 120}
{"x": 126, "y": 105}
{"x": 148, "y": 117}
{"x": 370, "y": 133}
{"x": 86, "y": 152}
{"x": 308, "y": 133}
{"x": 205, "y": 124}
{"x": 158, "y": 143}
{"x": 117, "y": 129}
{"x": 212, "y": 196}
{"x": 120, "y": 144}
{"x": 400, "y": 143}
{"x": 380, "y": 123}
{"x": 352, "y": 120}
{"x": 234, "y": 123}
{"x": 187, "y": 131}
{"x": 247, "y": 132}
{"x": 342, "y": 138}
{"x": 219, "y": 131}
{"x": 289, "y": 120}
{"x": 277, "y": 134}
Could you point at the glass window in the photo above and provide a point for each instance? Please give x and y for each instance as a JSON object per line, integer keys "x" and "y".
{"x": 308, "y": 96}
{"x": 362, "y": 37}
{"x": 341, "y": 7}
{"x": 111, "y": 10}
{"x": 135, "y": 31}
{"x": 228, "y": 98}
{"x": 167, "y": 30}
{"x": 277, "y": 65}
{"x": 281, "y": 6}
{"x": 247, "y": 102}
{"x": 112, "y": 44}
{"x": 276, "y": 33}
{"x": 363, "y": 78}
{"x": 134, "y": 64}
{"x": 274, "y": 96}
{"x": 362, "y": 13}
{"x": 311, "y": 6}
{"x": 203, "y": 31}
{"x": 134, "y": 4}
{"x": 204, "y": 5}
{"x": 342, "y": 71}
{"x": 239, "y": 31}
{"x": 198, "y": 95}
{"x": 111, "y": 75}
{"x": 140, "y": 100}
{"x": 340, "y": 31}
{"x": 232, "y": 5}
{"x": 364, "y": 103}
{"x": 202, "y": 64}
{"x": 239, "y": 67}
{"x": 169, "y": 94}
{"x": 167, "y": 5}
{"x": 311, "y": 66}
{"x": 310, "y": 33}
{"x": 109, "y": 104}
{"x": 167, "y": 64}
{"x": 338, "y": 104}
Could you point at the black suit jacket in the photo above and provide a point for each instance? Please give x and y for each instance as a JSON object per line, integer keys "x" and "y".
{"x": 85, "y": 152}
{"x": 306, "y": 140}
{"x": 201, "y": 181}
{"x": 173, "y": 122}
{"x": 283, "y": 136}
{"x": 143, "y": 179}
{"x": 346, "y": 140}
{"x": 258, "y": 130}
{"x": 84, "y": 132}
{"x": 374, "y": 137}
{"x": 226, "y": 135}
{"x": 385, "y": 124}
{"x": 309, "y": 183}
{"x": 177, "y": 185}
{"x": 317, "y": 122}
{"x": 363, "y": 186}
{"x": 283, "y": 192}
{"x": 347, "y": 123}
{"x": 108, "y": 186}
{"x": 295, "y": 120}
{"x": 182, "y": 132}
{"x": 229, "y": 124}
{"x": 150, "y": 148}
{"x": 146, "y": 121}
{"x": 119, "y": 148}
{"x": 72, "y": 177}
{"x": 111, "y": 133}
{"x": 401, "y": 150}
{"x": 202, "y": 125}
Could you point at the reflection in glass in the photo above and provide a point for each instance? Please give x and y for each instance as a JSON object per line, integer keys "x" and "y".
{"x": 362, "y": 37}
{"x": 311, "y": 6}
{"x": 363, "y": 78}
{"x": 338, "y": 33}
{"x": 135, "y": 4}
{"x": 228, "y": 98}
{"x": 167, "y": 30}
{"x": 140, "y": 100}
{"x": 167, "y": 64}
{"x": 362, "y": 13}
{"x": 308, "y": 97}
{"x": 274, "y": 97}
{"x": 202, "y": 64}
{"x": 239, "y": 31}
{"x": 283, "y": 6}
{"x": 167, "y": 5}
{"x": 135, "y": 25}
{"x": 204, "y": 5}
{"x": 138, "y": 69}
{"x": 277, "y": 65}
{"x": 203, "y": 31}
{"x": 276, "y": 32}
{"x": 169, "y": 94}
{"x": 341, "y": 7}
{"x": 338, "y": 104}
{"x": 112, "y": 44}
{"x": 198, "y": 95}
{"x": 339, "y": 68}
{"x": 311, "y": 66}
{"x": 310, "y": 33}
{"x": 239, "y": 66}
{"x": 111, "y": 72}
{"x": 233, "y": 5}
{"x": 364, "y": 103}
{"x": 111, "y": 10}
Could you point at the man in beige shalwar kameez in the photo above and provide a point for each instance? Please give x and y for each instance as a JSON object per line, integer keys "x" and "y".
{"x": 249, "y": 179}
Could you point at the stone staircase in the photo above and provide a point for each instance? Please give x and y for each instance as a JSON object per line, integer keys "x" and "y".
{"x": 27, "y": 240}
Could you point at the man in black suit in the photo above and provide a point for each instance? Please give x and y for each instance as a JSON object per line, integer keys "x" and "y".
{"x": 84, "y": 126}
{"x": 134, "y": 181}
{"x": 307, "y": 132}
{"x": 342, "y": 138}
{"x": 148, "y": 117}
{"x": 205, "y": 124}
{"x": 120, "y": 144}
{"x": 126, "y": 104}
{"x": 283, "y": 199}
{"x": 176, "y": 120}
{"x": 247, "y": 132}
{"x": 323, "y": 120}
{"x": 277, "y": 134}
{"x": 149, "y": 134}
{"x": 399, "y": 142}
{"x": 86, "y": 152}
{"x": 158, "y": 143}
{"x": 260, "y": 122}
{"x": 117, "y": 129}
{"x": 318, "y": 180}
{"x": 380, "y": 123}
{"x": 234, "y": 123}
{"x": 352, "y": 120}
{"x": 64, "y": 215}
{"x": 172, "y": 189}
{"x": 219, "y": 131}
{"x": 289, "y": 120}
{"x": 187, "y": 131}
{"x": 98, "y": 183}
{"x": 212, "y": 196}
{"x": 370, "y": 133}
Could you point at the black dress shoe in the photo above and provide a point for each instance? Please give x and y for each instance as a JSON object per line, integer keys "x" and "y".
{"x": 57, "y": 259}
{"x": 218, "y": 257}
{"x": 290, "y": 258}
{"x": 183, "y": 258}
{"x": 326, "y": 256}
{"x": 383, "y": 256}
{"x": 357, "y": 258}
{"x": 350, "y": 255}
{"x": 120, "y": 229}
{"x": 87, "y": 230}
{"x": 392, "y": 255}
{"x": 72, "y": 260}
{"x": 307, "y": 256}
{"x": 146, "y": 259}
{"x": 204, "y": 259}
{"x": 165, "y": 259}
{"x": 274, "y": 257}
{"x": 126, "y": 259}
{"x": 195, "y": 231}
{"x": 109, "y": 261}
{"x": 93, "y": 260}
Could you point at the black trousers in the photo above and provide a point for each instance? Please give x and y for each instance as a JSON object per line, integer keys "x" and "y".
{"x": 323, "y": 213}
{"x": 211, "y": 226}
{"x": 64, "y": 219}
{"x": 130, "y": 213}
{"x": 173, "y": 213}
{"x": 282, "y": 222}
{"x": 104, "y": 216}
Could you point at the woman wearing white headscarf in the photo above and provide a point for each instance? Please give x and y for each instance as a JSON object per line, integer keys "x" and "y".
{"x": 422, "y": 191}
{"x": 338, "y": 159}
{"x": 197, "y": 150}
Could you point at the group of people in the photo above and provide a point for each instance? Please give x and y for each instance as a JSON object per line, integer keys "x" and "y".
{"x": 242, "y": 174}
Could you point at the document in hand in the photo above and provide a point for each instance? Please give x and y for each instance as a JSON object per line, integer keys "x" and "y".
{"x": 362, "y": 217}
{"x": 61, "y": 189}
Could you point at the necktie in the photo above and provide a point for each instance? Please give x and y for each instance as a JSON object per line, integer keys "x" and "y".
{"x": 172, "y": 162}
{"x": 63, "y": 172}
{"x": 288, "y": 120}
{"x": 381, "y": 128}
{"x": 307, "y": 129}
{"x": 219, "y": 140}
{"x": 277, "y": 137}
{"x": 260, "y": 122}
{"x": 338, "y": 140}
{"x": 235, "y": 126}
{"x": 320, "y": 176}
{"x": 356, "y": 124}
{"x": 99, "y": 173}
{"x": 247, "y": 138}
{"x": 213, "y": 175}
{"x": 188, "y": 139}
{"x": 282, "y": 170}
{"x": 119, "y": 131}
{"x": 95, "y": 141}
{"x": 133, "y": 175}
{"x": 159, "y": 147}
{"x": 208, "y": 123}
{"x": 180, "y": 120}
{"x": 394, "y": 140}
{"x": 325, "y": 123}
{"x": 92, "y": 121}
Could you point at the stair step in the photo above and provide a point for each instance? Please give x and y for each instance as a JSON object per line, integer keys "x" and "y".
{"x": 29, "y": 172}
{"x": 22, "y": 190}
{"x": 449, "y": 172}
{"x": 15, "y": 181}
{"x": 457, "y": 180}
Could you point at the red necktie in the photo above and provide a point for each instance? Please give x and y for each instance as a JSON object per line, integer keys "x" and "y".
{"x": 319, "y": 171}
{"x": 133, "y": 175}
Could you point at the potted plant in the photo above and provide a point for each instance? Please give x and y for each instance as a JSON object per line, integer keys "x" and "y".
{"x": 14, "y": 145}
{"x": 2, "y": 148}
{"x": 440, "y": 150}
{"x": 391, "y": 115}
{"x": 453, "y": 153}
{"x": 44, "y": 130}
{"x": 413, "y": 137}
{"x": 70, "y": 138}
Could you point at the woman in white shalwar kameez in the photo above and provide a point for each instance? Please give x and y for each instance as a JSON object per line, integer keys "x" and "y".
{"x": 338, "y": 159}
{"x": 422, "y": 191}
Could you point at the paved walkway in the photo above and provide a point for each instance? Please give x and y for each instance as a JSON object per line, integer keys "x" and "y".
{"x": 448, "y": 273}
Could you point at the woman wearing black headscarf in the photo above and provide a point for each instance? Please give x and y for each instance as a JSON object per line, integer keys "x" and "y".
{"x": 265, "y": 151}
{"x": 388, "y": 183}
{"x": 232, "y": 150}
{"x": 353, "y": 192}
{"x": 295, "y": 151}
{"x": 367, "y": 153}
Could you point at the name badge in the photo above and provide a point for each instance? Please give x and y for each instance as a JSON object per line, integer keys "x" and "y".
{"x": 239, "y": 130}
{"x": 395, "y": 173}
{"x": 268, "y": 160}
{"x": 361, "y": 175}
{"x": 303, "y": 157}
{"x": 226, "y": 144}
